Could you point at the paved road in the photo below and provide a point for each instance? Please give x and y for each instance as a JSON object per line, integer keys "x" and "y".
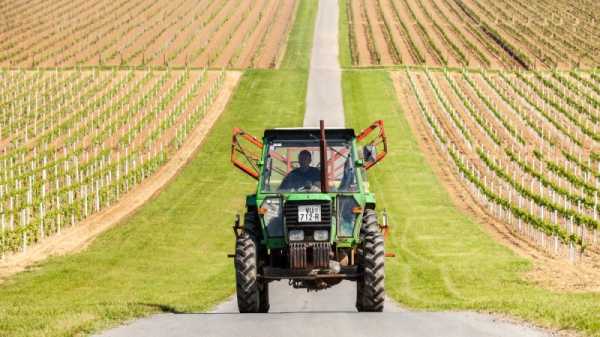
{"x": 324, "y": 96}
{"x": 330, "y": 312}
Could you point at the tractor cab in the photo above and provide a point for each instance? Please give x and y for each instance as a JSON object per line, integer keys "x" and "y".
{"x": 292, "y": 162}
{"x": 311, "y": 208}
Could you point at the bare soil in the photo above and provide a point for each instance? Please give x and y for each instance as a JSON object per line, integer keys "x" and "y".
{"x": 398, "y": 39}
{"x": 505, "y": 35}
{"x": 358, "y": 23}
{"x": 276, "y": 38}
{"x": 178, "y": 33}
{"x": 79, "y": 237}
{"x": 377, "y": 27}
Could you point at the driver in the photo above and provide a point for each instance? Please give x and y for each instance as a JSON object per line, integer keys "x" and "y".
{"x": 304, "y": 176}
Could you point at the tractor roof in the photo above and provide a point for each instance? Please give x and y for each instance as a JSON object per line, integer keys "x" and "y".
{"x": 308, "y": 133}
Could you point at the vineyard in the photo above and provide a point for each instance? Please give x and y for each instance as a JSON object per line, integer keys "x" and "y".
{"x": 215, "y": 34}
{"x": 74, "y": 141}
{"x": 525, "y": 144}
{"x": 538, "y": 34}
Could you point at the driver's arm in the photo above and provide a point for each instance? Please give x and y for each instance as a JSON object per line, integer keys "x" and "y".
{"x": 287, "y": 182}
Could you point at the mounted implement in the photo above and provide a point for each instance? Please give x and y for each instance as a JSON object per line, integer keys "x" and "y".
{"x": 312, "y": 219}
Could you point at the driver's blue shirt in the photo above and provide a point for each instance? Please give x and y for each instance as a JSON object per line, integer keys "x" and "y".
{"x": 301, "y": 177}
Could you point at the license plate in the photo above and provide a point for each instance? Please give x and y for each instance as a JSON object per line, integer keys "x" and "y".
{"x": 310, "y": 213}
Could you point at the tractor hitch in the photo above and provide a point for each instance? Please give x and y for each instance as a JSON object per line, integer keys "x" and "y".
{"x": 385, "y": 229}
{"x": 237, "y": 226}
{"x": 237, "y": 231}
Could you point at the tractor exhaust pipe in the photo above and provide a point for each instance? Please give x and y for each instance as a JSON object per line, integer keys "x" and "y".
{"x": 323, "y": 149}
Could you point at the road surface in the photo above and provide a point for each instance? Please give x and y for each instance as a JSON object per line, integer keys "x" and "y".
{"x": 331, "y": 312}
{"x": 324, "y": 94}
{"x": 328, "y": 313}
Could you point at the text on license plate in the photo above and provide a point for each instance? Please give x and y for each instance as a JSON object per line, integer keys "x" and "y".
{"x": 310, "y": 213}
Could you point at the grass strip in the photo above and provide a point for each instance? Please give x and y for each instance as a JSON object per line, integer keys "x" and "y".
{"x": 299, "y": 46}
{"x": 344, "y": 41}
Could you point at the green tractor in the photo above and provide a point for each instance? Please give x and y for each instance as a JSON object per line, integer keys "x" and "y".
{"x": 312, "y": 219}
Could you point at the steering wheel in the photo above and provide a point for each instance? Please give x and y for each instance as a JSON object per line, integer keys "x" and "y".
{"x": 308, "y": 188}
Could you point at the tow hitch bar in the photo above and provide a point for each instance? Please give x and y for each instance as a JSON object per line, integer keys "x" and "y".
{"x": 237, "y": 228}
{"x": 385, "y": 230}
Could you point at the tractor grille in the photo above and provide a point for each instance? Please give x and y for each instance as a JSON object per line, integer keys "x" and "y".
{"x": 309, "y": 255}
{"x": 290, "y": 211}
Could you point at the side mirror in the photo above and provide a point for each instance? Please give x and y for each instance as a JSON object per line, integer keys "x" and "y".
{"x": 375, "y": 148}
{"x": 370, "y": 154}
{"x": 246, "y": 152}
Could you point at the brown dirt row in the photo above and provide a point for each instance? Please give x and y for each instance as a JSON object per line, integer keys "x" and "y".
{"x": 399, "y": 38}
{"x": 435, "y": 36}
{"x": 79, "y": 237}
{"x": 191, "y": 32}
{"x": 358, "y": 23}
{"x": 414, "y": 34}
{"x": 275, "y": 41}
{"x": 180, "y": 24}
{"x": 21, "y": 22}
{"x": 516, "y": 35}
{"x": 173, "y": 32}
{"x": 249, "y": 45}
{"x": 379, "y": 40}
{"x": 147, "y": 26}
{"x": 47, "y": 50}
{"x": 463, "y": 39}
{"x": 556, "y": 274}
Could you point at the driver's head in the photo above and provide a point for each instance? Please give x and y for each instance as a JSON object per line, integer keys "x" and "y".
{"x": 304, "y": 158}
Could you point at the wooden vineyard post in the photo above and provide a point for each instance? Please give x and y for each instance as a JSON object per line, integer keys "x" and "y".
{"x": 85, "y": 200}
{"x": 24, "y": 225}
{"x": 42, "y": 234}
{"x": 97, "y": 197}
{"x": 58, "y": 213}
{"x": 594, "y": 240}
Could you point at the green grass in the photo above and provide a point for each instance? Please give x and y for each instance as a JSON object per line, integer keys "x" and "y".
{"x": 299, "y": 46}
{"x": 171, "y": 255}
{"x": 345, "y": 58}
{"x": 445, "y": 260}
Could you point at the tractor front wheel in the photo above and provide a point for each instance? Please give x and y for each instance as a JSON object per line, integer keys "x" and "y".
{"x": 370, "y": 289}
{"x": 252, "y": 293}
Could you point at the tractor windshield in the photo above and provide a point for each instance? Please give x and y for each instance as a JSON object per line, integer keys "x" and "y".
{"x": 294, "y": 166}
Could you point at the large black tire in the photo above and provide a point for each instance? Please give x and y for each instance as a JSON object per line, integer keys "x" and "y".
{"x": 246, "y": 274}
{"x": 370, "y": 287}
{"x": 252, "y": 293}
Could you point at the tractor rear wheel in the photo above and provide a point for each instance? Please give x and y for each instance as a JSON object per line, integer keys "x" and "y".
{"x": 370, "y": 289}
{"x": 252, "y": 292}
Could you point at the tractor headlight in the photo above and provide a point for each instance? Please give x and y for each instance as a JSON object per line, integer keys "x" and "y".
{"x": 296, "y": 235}
{"x": 321, "y": 235}
{"x": 273, "y": 215}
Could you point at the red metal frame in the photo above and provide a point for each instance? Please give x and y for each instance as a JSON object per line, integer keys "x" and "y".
{"x": 324, "y": 163}
{"x": 375, "y": 142}
{"x": 250, "y": 157}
